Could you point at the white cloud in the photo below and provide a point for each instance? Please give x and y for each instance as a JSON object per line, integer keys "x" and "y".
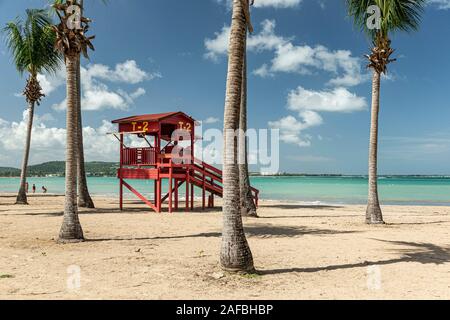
{"x": 268, "y": 3}
{"x": 219, "y": 45}
{"x": 291, "y": 131}
{"x": 138, "y": 93}
{"x": 263, "y": 72}
{"x": 127, "y": 72}
{"x": 345, "y": 71}
{"x": 50, "y": 83}
{"x": 441, "y": 4}
{"x": 48, "y": 143}
{"x": 265, "y": 40}
{"x": 96, "y": 95}
{"x": 211, "y": 120}
{"x": 291, "y": 58}
{"x": 277, "y": 3}
{"x": 308, "y": 104}
{"x": 336, "y": 100}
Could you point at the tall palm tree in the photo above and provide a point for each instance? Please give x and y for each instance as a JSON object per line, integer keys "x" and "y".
{"x": 235, "y": 252}
{"x": 396, "y": 15}
{"x": 248, "y": 207}
{"x": 71, "y": 42}
{"x": 84, "y": 198}
{"x": 31, "y": 43}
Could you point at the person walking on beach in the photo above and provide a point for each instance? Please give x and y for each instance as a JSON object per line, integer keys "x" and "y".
{"x": 44, "y": 189}
{"x": 34, "y": 188}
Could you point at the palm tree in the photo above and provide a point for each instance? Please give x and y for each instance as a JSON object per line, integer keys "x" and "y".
{"x": 84, "y": 198}
{"x": 71, "y": 42}
{"x": 235, "y": 252}
{"x": 248, "y": 206}
{"x": 396, "y": 15}
{"x": 32, "y": 46}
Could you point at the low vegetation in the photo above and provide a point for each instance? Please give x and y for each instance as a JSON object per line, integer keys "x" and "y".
{"x": 57, "y": 168}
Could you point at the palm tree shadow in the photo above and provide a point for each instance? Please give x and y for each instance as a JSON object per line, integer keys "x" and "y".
{"x": 270, "y": 231}
{"x": 299, "y": 206}
{"x": 416, "y": 223}
{"x": 256, "y": 231}
{"x": 86, "y": 212}
{"x": 200, "y": 235}
{"x": 311, "y": 216}
{"x": 424, "y": 253}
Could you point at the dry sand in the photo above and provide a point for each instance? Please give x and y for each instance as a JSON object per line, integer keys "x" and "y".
{"x": 301, "y": 252}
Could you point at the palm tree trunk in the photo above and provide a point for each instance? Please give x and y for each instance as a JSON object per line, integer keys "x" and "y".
{"x": 84, "y": 198}
{"x": 71, "y": 230}
{"x": 22, "y": 196}
{"x": 235, "y": 252}
{"x": 248, "y": 207}
{"x": 373, "y": 213}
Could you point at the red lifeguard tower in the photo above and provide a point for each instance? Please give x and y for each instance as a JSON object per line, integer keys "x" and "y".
{"x": 164, "y": 158}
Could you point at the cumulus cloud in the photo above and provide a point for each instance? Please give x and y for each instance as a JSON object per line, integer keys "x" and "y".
{"x": 336, "y": 100}
{"x": 292, "y": 58}
{"x": 218, "y": 45}
{"x": 304, "y": 59}
{"x": 265, "y": 40}
{"x": 344, "y": 69}
{"x": 308, "y": 104}
{"x": 48, "y": 142}
{"x": 50, "y": 83}
{"x": 127, "y": 72}
{"x": 97, "y": 95}
{"x": 291, "y": 131}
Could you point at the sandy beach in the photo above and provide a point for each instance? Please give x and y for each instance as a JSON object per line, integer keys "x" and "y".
{"x": 300, "y": 251}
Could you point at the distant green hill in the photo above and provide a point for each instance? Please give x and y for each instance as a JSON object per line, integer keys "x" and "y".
{"x": 9, "y": 172}
{"x": 57, "y": 168}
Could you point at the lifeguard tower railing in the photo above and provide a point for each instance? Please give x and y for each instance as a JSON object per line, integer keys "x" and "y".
{"x": 139, "y": 157}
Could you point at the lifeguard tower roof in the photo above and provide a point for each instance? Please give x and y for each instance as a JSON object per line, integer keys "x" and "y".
{"x": 162, "y": 125}
{"x": 155, "y": 117}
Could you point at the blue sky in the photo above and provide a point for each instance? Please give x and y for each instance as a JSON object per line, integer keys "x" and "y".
{"x": 307, "y": 77}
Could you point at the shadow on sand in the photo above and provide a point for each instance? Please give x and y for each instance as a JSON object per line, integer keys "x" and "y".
{"x": 425, "y": 253}
{"x": 83, "y": 212}
{"x": 251, "y": 231}
{"x": 299, "y": 206}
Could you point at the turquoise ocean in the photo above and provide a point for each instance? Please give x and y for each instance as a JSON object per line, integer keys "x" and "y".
{"x": 315, "y": 190}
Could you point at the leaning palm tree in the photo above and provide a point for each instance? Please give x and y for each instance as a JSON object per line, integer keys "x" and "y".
{"x": 248, "y": 207}
{"x": 396, "y": 15}
{"x": 235, "y": 253}
{"x": 71, "y": 41}
{"x": 31, "y": 43}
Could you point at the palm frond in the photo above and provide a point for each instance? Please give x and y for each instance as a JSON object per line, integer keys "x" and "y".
{"x": 397, "y": 15}
{"x": 31, "y": 43}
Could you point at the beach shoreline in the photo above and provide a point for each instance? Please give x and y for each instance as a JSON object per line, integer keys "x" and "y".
{"x": 300, "y": 252}
{"x": 311, "y": 190}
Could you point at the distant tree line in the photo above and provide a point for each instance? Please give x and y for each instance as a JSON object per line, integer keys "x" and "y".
{"x": 57, "y": 168}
